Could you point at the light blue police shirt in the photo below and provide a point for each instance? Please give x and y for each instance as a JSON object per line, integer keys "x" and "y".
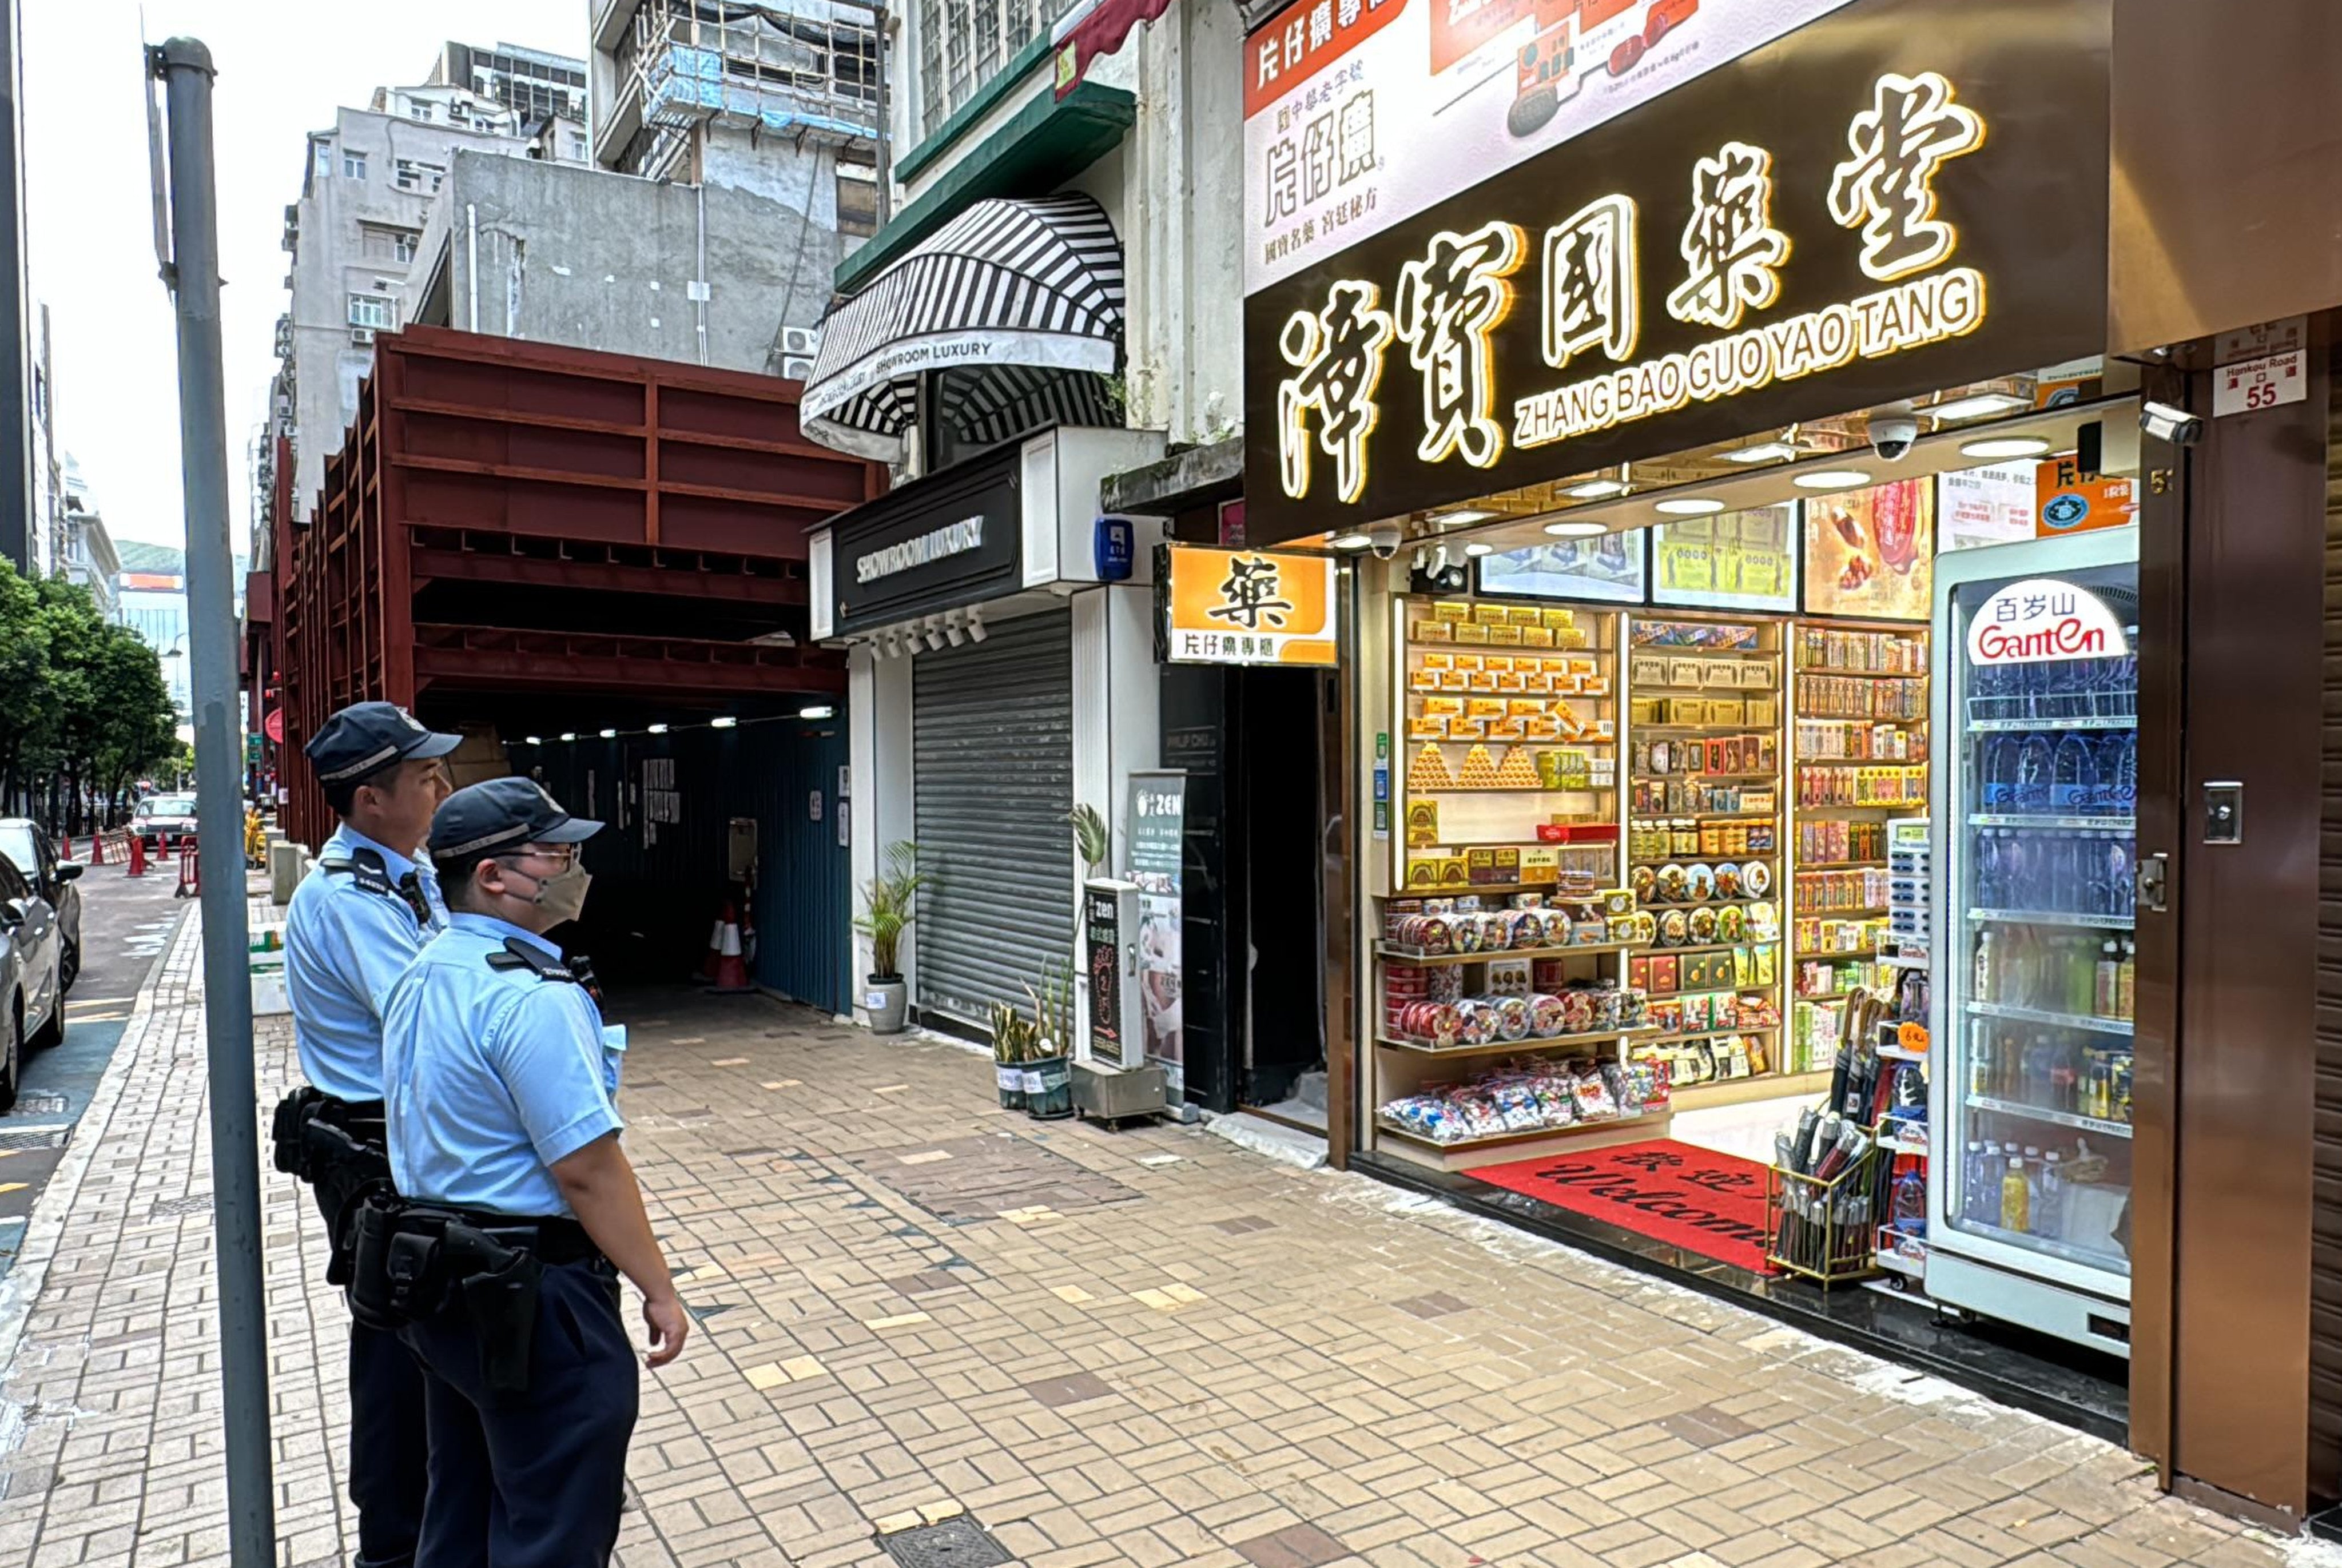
{"x": 343, "y": 945}
{"x": 491, "y": 1076}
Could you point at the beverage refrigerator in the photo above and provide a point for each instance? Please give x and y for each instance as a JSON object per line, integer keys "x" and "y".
{"x": 2030, "y": 1159}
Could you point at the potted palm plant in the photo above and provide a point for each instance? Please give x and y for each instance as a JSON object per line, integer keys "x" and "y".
{"x": 890, "y": 903}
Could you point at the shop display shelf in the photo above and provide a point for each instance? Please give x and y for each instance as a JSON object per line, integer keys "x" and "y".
{"x": 1487, "y": 889}
{"x": 1687, "y": 651}
{"x": 1657, "y": 907}
{"x": 2037, "y": 819}
{"x": 1527, "y": 1045}
{"x": 1588, "y": 788}
{"x": 1707, "y": 1033}
{"x": 1904, "y": 1137}
{"x": 1398, "y": 954}
{"x": 2030, "y": 1242}
{"x": 1832, "y": 954}
{"x": 1658, "y": 950}
{"x": 1805, "y": 866}
{"x": 2025, "y": 1113}
{"x": 1911, "y": 807}
{"x": 1492, "y": 692}
{"x": 2008, "y": 726}
{"x": 1896, "y": 1054}
{"x": 1503, "y": 1140}
{"x": 2089, "y": 1021}
{"x": 1862, "y": 674}
{"x": 1697, "y": 778}
{"x": 1873, "y": 911}
{"x": 1819, "y": 997}
{"x": 1767, "y": 1085}
{"x": 1897, "y": 1253}
{"x": 2051, "y": 917}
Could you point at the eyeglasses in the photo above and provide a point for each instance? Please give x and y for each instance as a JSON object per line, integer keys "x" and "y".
{"x": 562, "y": 855}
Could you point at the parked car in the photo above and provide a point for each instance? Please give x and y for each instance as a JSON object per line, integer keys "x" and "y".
{"x": 35, "y": 852}
{"x": 164, "y": 821}
{"x": 32, "y": 997}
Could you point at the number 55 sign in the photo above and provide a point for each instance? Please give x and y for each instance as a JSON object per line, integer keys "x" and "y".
{"x": 2250, "y": 385}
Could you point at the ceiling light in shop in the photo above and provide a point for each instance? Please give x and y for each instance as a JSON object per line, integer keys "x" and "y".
{"x": 817, "y": 711}
{"x": 1688, "y": 506}
{"x": 1576, "y": 530}
{"x": 1766, "y": 452}
{"x": 1831, "y": 479}
{"x": 1975, "y": 408}
{"x": 1458, "y": 518}
{"x": 725, "y": 722}
{"x": 609, "y": 735}
{"x": 1478, "y": 547}
{"x": 1995, "y": 448}
{"x": 1351, "y": 541}
{"x": 533, "y": 739}
{"x": 569, "y": 734}
{"x": 658, "y": 729}
{"x": 1594, "y": 489}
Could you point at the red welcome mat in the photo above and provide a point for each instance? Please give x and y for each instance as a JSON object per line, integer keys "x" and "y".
{"x": 1692, "y": 1198}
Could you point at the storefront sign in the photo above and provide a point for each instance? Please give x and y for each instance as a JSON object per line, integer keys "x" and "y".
{"x": 2270, "y": 381}
{"x": 2042, "y": 619}
{"x": 273, "y": 725}
{"x": 933, "y": 545}
{"x": 1993, "y": 505}
{"x": 1361, "y": 113}
{"x": 1871, "y": 554}
{"x": 2067, "y": 501}
{"x": 1732, "y": 560}
{"x": 1839, "y": 217}
{"x": 1157, "y": 826}
{"x": 1248, "y": 607}
{"x": 1610, "y": 569}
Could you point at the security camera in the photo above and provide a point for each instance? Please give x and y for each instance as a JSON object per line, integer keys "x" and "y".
{"x": 2166, "y": 423}
{"x": 1384, "y": 539}
{"x": 1891, "y": 436}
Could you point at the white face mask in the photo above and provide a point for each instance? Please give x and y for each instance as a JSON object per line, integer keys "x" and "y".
{"x": 562, "y": 895}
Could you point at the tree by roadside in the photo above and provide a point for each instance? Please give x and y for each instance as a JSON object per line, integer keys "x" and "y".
{"x": 84, "y": 709}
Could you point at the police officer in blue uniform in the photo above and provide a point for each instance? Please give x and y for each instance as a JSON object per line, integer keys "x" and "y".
{"x": 522, "y": 1211}
{"x": 355, "y": 922}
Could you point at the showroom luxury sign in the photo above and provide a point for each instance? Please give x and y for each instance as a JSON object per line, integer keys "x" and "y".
{"x": 1722, "y": 278}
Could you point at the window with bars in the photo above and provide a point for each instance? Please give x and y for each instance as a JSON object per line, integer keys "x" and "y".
{"x": 964, "y": 44}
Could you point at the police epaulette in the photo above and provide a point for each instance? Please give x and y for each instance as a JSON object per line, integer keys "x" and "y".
{"x": 370, "y": 872}
{"x": 519, "y": 955}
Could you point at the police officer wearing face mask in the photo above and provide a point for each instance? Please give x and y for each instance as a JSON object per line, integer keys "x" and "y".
{"x": 354, "y": 923}
{"x": 519, "y": 1209}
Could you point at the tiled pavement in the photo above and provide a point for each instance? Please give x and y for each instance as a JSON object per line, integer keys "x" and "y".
{"x": 1143, "y": 1348}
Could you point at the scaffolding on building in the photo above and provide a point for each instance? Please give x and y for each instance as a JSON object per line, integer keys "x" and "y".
{"x": 804, "y": 68}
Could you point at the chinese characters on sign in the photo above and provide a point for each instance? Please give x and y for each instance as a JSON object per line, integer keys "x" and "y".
{"x": 1449, "y": 300}
{"x": 1225, "y": 606}
{"x": 2042, "y": 619}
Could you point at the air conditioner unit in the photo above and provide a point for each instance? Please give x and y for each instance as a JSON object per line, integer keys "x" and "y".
{"x": 805, "y": 340}
{"x": 362, "y": 335}
{"x": 795, "y": 367}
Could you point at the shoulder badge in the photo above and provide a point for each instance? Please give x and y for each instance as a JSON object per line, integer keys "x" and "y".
{"x": 367, "y": 868}
{"x": 518, "y": 955}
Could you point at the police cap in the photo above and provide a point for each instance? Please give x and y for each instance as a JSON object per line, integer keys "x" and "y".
{"x": 366, "y": 737}
{"x": 503, "y": 814}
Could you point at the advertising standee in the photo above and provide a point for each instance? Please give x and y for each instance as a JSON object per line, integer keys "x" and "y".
{"x": 1157, "y": 826}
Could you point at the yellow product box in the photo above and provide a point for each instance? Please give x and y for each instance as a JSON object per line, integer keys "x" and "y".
{"x": 1432, "y": 632}
{"x": 1572, "y": 723}
{"x": 1488, "y": 614}
{"x": 1523, "y": 615}
{"x": 1505, "y": 636}
{"x": 1598, "y": 685}
{"x": 1424, "y": 872}
{"x": 1511, "y": 681}
{"x": 1576, "y": 665}
{"x": 1466, "y": 632}
{"x": 1756, "y": 674}
{"x": 1536, "y": 681}
{"x": 1572, "y": 637}
{"x": 1724, "y": 711}
{"x": 1453, "y": 871}
{"x": 1422, "y": 680}
{"x": 1469, "y": 662}
{"x": 1646, "y": 669}
{"x": 1427, "y": 727}
{"x": 1508, "y": 729}
{"x": 1558, "y": 619}
{"x": 1684, "y": 673}
{"x": 1451, "y": 610}
{"x": 1422, "y": 823}
{"x": 1456, "y": 680}
{"x": 1646, "y": 709}
{"x": 1484, "y": 707}
{"x": 1438, "y": 659}
{"x": 1536, "y": 636}
{"x": 1721, "y": 672}
{"x": 1762, "y": 712}
{"x": 1570, "y": 685}
{"x": 1541, "y": 726}
{"x": 1444, "y": 707}
{"x": 1520, "y": 706}
{"x": 1496, "y": 662}
{"x": 1540, "y": 866}
{"x": 1618, "y": 903}
{"x": 1468, "y": 729}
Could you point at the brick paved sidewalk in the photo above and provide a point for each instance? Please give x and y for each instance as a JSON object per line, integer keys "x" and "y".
{"x": 1144, "y": 1348}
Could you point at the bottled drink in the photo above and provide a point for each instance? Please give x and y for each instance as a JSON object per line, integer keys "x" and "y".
{"x": 2049, "y": 1200}
{"x": 2072, "y": 776}
{"x": 2126, "y": 983}
{"x": 2121, "y": 774}
{"x": 2080, "y": 974}
{"x": 1975, "y": 1183}
{"x": 1987, "y": 973}
{"x": 2012, "y": 871}
{"x": 2122, "y": 890}
{"x": 1907, "y": 1204}
{"x": 1995, "y": 771}
{"x": 2035, "y": 1088}
{"x": 1986, "y": 877}
{"x": 2107, "y": 982}
{"x": 2035, "y": 766}
{"x": 2066, "y": 1077}
{"x": 1983, "y": 1071}
{"x": 2016, "y": 1199}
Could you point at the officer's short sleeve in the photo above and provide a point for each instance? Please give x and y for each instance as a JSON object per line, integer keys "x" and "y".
{"x": 551, "y": 1063}
{"x": 375, "y": 939}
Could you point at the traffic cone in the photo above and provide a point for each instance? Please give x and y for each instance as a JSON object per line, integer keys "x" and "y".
{"x": 191, "y": 882}
{"x": 137, "y": 854}
{"x": 65, "y": 847}
{"x": 714, "y": 959}
{"x": 98, "y": 849}
{"x": 731, "y": 967}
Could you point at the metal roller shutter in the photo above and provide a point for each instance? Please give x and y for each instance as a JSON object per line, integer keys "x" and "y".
{"x": 991, "y": 749}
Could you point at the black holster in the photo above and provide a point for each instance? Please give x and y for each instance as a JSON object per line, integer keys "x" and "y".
{"x": 499, "y": 1286}
{"x": 292, "y": 1114}
{"x": 319, "y": 1139}
{"x": 412, "y": 1262}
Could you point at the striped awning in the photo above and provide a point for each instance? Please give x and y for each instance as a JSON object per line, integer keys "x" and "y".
{"x": 1016, "y": 304}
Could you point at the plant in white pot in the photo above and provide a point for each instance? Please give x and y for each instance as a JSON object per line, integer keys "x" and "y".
{"x": 890, "y": 903}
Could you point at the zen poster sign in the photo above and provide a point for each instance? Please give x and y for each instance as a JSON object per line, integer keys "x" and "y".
{"x": 1889, "y": 199}
{"x": 1248, "y": 607}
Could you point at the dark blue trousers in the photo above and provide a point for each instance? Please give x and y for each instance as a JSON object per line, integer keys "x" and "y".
{"x": 534, "y": 1479}
{"x": 387, "y": 1476}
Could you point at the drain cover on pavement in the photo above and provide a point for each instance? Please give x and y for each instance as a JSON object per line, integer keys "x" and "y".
{"x": 17, "y": 1140}
{"x": 40, "y": 1104}
{"x": 954, "y": 1544}
{"x": 176, "y": 1207}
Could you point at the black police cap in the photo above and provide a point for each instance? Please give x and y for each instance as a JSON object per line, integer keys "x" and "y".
{"x": 501, "y": 814}
{"x": 366, "y": 737}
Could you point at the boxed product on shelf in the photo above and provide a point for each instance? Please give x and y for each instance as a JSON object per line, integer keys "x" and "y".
{"x": 1540, "y": 1096}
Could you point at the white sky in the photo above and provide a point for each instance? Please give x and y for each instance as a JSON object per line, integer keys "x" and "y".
{"x": 283, "y": 66}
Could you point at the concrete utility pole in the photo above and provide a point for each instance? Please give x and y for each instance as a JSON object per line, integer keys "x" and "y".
{"x": 188, "y": 223}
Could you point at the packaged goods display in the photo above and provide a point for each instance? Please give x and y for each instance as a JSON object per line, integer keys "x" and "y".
{"x": 1513, "y": 1099}
{"x": 1861, "y": 740}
